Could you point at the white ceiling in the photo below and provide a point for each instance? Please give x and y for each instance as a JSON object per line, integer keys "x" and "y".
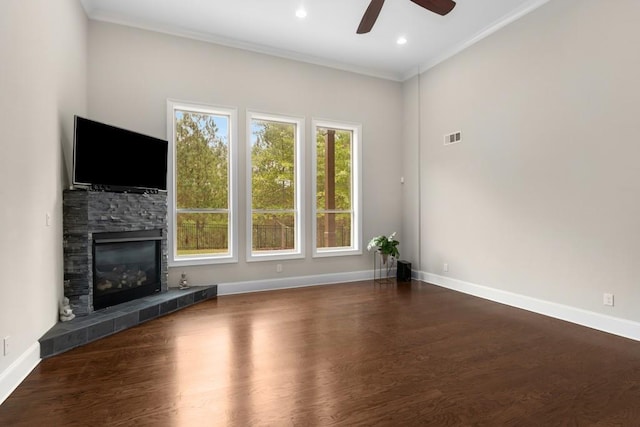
{"x": 327, "y": 36}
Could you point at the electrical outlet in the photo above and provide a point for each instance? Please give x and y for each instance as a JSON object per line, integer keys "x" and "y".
{"x": 607, "y": 299}
{"x": 278, "y": 268}
{"x": 445, "y": 267}
{"x": 6, "y": 346}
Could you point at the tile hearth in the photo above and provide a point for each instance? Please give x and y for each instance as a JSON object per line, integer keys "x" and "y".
{"x": 101, "y": 323}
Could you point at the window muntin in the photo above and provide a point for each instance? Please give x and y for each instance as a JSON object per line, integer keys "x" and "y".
{"x": 202, "y": 224}
{"x": 275, "y": 217}
{"x": 336, "y": 189}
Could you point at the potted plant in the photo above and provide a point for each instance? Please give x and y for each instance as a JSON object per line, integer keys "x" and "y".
{"x": 385, "y": 246}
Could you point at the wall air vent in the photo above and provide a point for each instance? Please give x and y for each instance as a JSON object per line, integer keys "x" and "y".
{"x": 452, "y": 138}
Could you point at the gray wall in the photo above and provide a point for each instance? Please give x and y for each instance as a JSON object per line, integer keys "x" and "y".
{"x": 132, "y": 72}
{"x": 542, "y": 198}
{"x": 43, "y": 54}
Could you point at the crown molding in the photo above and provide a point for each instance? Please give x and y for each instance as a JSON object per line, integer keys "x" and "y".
{"x": 96, "y": 14}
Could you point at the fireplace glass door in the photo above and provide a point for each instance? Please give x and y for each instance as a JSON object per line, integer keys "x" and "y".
{"x": 126, "y": 266}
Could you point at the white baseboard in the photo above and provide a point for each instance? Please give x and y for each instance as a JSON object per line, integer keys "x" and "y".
{"x": 232, "y": 288}
{"x": 18, "y": 371}
{"x": 590, "y": 319}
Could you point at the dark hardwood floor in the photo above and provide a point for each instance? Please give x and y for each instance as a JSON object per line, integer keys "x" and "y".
{"x": 349, "y": 354}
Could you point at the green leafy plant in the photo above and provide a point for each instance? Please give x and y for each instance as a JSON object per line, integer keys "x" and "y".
{"x": 385, "y": 245}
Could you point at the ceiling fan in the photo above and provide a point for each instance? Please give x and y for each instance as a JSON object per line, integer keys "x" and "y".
{"x": 441, "y": 7}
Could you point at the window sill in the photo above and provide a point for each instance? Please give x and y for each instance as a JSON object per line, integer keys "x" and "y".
{"x": 188, "y": 261}
{"x": 274, "y": 256}
{"x": 336, "y": 253}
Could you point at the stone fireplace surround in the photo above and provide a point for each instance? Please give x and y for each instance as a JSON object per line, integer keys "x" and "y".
{"x": 86, "y": 213}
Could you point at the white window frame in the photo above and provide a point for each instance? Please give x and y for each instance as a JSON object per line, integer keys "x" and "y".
{"x": 299, "y": 168}
{"x": 232, "y": 256}
{"x": 356, "y": 189}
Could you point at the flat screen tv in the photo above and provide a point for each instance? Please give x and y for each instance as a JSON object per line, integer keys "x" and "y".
{"x": 106, "y": 157}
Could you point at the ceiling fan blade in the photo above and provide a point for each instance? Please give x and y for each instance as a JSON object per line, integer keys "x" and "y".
{"x": 370, "y": 16}
{"x": 441, "y": 7}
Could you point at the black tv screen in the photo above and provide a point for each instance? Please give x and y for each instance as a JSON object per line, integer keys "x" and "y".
{"x": 111, "y": 158}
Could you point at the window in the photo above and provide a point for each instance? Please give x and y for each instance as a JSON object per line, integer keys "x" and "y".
{"x": 336, "y": 189}
{"x": 275, "y": 198}
{"x": 202, "y": 188}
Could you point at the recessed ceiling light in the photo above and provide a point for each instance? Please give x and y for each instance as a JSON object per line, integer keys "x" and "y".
{"x": 401, "y": 40}
{"x": 301, "y": 13}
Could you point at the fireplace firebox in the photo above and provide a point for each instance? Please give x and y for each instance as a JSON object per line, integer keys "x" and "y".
{"x": 126, "y": 266}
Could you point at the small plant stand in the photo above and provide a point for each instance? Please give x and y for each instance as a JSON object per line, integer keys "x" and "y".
{"x": 382, "y": 267}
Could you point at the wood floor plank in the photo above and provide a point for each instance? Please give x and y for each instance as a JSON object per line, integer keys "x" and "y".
{"x": 348, "y": 354}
